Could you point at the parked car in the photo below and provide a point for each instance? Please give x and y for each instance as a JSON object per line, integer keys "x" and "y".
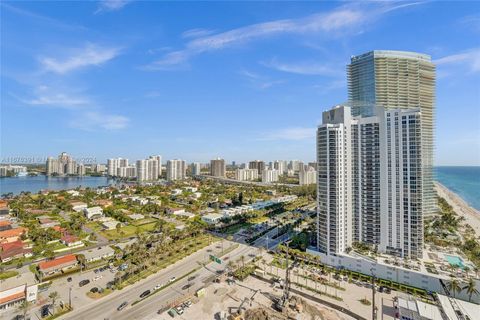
{"x": 94, "y": 290}
{"x": 179, "y": 309}
{"x": 83, "y": 282}
{"x": 45, "y": 312}
{"x": 158, "y": 286}
{"x": 122, "y": 306}
{"x": 69, "y": 279}
{"x": 172, "y": 279}
{"x": 145, "y": 293}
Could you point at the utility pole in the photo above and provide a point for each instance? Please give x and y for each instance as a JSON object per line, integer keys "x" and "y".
{"x": 70, "y": 298}
{"x": 374, "y": 314}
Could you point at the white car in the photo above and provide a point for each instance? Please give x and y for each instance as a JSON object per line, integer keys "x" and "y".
{"x": 172, "y": 279}
{"x": 97, "y": 278}
{"x": 158, "y": 286}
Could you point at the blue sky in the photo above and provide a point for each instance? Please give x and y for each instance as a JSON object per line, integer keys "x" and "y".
{"x": 197, "y": 80}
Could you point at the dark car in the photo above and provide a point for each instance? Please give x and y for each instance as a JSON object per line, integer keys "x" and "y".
{"x": 44, "y": 311}
{"x": 83, "y": 282}
{"x": 94, "y": 290}
{"x": 185, "y": 287}
{"x": 69, "y": 279}
{"x": 191, "y": 278}
{"x": 122, "y": 306}
{"x": 145, "y": 293}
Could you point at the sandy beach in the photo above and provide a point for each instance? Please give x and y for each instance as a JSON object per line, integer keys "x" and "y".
{"x": 472, "y": 215}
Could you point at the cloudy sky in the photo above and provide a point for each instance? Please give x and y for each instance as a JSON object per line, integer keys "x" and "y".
{"x": 197, "y": 80}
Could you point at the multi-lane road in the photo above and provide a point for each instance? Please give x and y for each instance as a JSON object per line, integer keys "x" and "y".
{"x": 106, "y": 308}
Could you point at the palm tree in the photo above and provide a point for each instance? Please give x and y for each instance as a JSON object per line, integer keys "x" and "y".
{"x": 53, "y": 296}
{"x": 454, "y": 286}
{"x": 242, "y": 258}
{"x": 23, "y": 308}
{"x": 471, "y": 289}
{"x": 81, "y": 260}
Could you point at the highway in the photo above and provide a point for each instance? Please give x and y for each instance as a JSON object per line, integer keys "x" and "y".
{"x": 106, "y": 308}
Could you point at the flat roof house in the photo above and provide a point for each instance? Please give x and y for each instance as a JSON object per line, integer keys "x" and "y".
{"x": 98, "y": 254}
{"x": 11, "y": 298}
{"x": 93, "y": 213}
{"x": 212, "y": 218}
{"x": 78, "y": 206}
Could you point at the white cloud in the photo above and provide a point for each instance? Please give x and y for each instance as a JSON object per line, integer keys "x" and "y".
{"x": 93, "y": 120}
{"x": 45, "y": 96}
{"x": 469, "y": 58}
{"x": 296, "y": 133}
{"x": 339, "y": 21}
{"x": 260, "y": 81}
{"x": 90, "y": 55}
{"x": 196, "y": 33}
{"x": 111, "y": 5}
{"x": 304, "y": 68}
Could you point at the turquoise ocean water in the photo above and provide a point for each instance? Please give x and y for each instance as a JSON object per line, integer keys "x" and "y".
{"x": 464, "y": 181}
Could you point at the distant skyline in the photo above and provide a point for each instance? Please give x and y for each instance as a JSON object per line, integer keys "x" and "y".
{"x": 197, "y": 81}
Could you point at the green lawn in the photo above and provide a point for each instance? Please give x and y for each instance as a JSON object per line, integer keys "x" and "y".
{"x": 8, "y": 274}
{"x": 127, "y": 231}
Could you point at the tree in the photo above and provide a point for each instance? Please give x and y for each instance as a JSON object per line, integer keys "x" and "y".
{"x": 454, "y": 287}
{"x": 23, "y": 307}
{"x": 471, "y": 289}
{"x": 53, "y": 296}
{"x": 81, "y": 259}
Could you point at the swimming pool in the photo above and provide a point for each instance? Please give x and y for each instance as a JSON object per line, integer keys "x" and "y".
{"x": 455, "y": 261}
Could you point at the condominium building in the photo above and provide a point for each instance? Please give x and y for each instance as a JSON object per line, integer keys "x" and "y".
{"x": 217, "y": 167}
{"x": 280, "y": 165}
{"x": 63, "y": 165}
{"x": 147, "y": 169}
{"x": 295, "y": 165}
{"x": 127, "y": 172}
{"x": 307, "y": 176}
{"x": 257, "y": 164}
{"x": 12, "y": 170}
{"x": 246, "y": 174}
{"x": 195, "y": 169}
{"x": 370, "y": 181}
{"x": 114, "y": 164}
{"x": 159, "y": 160}
{"x": 398, "y": 79}
{"x": 270, "y": 175}
{"x": 176, "y": 170}
{"x": 81, "y": 169}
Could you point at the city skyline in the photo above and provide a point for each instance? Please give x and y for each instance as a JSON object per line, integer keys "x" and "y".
{"x": 266, "y": 77}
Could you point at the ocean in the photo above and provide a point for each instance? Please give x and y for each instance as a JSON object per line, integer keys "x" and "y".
{"x": 464, "y": 181}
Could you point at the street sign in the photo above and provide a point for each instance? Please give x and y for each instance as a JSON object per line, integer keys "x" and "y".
{"x": 215, "y": 259}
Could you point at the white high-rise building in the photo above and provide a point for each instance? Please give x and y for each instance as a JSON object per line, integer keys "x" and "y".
{"x": 270, "y": 175}
{"x": 159, "y": 160}
{"x": 280, "y": 165}
{"x": 81, "y": 169}
{"x": 176, "y": 170}
{"x": 294, "y": 165}
{"x": 246, "y": 174}
{"x": 147, "y": 169}
{"x": 114, "y": 164}
{"x": 370, "y": 181}
{"x": 307, "y": 176}
{"x": 196, "y": 169}
{"x": 127, "y": 172}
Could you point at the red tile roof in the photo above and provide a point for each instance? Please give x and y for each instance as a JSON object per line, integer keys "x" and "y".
{"x": 68, "y": 259}
{"x": 8, "y": 246}
{"x": 4, "y": 223}
{"x": 12, "y": 232}
{"x": 13, "y": 297}
{"x": 68, "y": 238}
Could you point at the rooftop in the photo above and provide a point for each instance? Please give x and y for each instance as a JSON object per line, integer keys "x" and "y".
{"x": 68, "y": 259}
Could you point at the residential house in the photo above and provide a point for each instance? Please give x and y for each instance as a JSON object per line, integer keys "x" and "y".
{"x": 5, "y": 225}
{"x": 12, "y": 235}
{"x": 14, "y": 250}
{"x": 93, "y": 213}
{"x": 212, "y": 218}
{"x": 4, "y": 210}
{"x": 71, "y": 240}
{"x": 78, "y": 206}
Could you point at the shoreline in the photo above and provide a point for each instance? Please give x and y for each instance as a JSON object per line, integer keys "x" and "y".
{"x": 460, "y": 206}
